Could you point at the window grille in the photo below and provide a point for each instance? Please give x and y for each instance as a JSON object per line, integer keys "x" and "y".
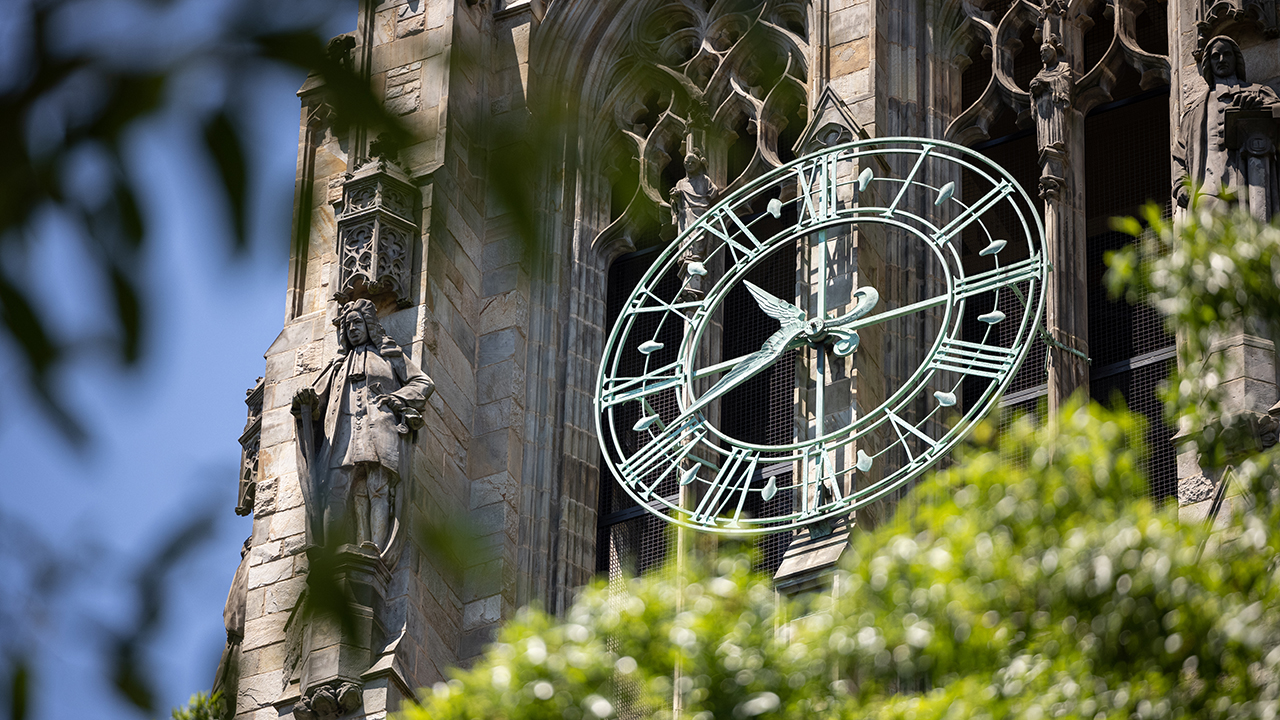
{"x": 1126, "y": 166}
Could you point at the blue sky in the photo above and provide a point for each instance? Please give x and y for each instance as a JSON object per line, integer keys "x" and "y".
{"x": 163, "y": 434}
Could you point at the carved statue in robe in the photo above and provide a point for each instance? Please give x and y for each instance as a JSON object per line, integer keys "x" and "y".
{"x": 1051, "y": 90}
{"x": 1226, "y": 146}
{"x": 368, "y": 401}
{"x": 692, "y": 196}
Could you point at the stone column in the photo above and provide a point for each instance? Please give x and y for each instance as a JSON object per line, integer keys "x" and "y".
{"x": 1060, "y": 140}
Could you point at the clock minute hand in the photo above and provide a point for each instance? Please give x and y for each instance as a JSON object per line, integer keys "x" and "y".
{"x": 793, "y": 324}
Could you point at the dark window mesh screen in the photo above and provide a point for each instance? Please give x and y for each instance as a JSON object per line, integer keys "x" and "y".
{"x": 1117, "y": 330}
{"x": 1017, "y": 156}
{"x": 1033, "y": 409}
{"x": 1137, "y": 389}
{"x": 1127, "y": 166}
{"x": 772, "y": 390}
{"x": 1126, "y": 160}
{"x": 630, "y": 540}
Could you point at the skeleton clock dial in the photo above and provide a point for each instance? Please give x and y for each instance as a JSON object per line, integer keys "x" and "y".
{"x": 951, "y": 331}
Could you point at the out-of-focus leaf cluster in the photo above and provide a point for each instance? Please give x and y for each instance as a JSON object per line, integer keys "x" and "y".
{"x": 1213, "y": 274}
{"x": 1033, "y": 580}
{"x": 73, "y": 98}
{"x": 201, "y": 706}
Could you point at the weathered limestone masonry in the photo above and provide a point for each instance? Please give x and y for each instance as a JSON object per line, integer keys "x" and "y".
{"x": 1207, "y": 493}
{"x": 455, "y": 72}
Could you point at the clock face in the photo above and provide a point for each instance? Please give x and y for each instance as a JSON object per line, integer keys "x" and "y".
{"x": 883, "y": 311}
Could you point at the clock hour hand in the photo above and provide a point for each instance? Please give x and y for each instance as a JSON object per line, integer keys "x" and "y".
{"x": 866, "y": 299}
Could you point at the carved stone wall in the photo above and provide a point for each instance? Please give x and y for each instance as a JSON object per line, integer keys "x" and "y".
{"x": 1237, "y": 18}
{"x": 1254, "y": 380}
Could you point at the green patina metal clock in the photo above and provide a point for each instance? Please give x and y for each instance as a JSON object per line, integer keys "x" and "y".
{"x": 963, "y": 319}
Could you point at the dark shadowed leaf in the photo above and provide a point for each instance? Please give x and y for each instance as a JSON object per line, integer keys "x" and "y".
{"x": 24, "y": 324}
{"x": 327, "y": 596}
{"x": 130, "y": 677}
{"x": 132, "y": 225}
{"x": 452, "y": 541}
{"x": 134, "y": 96}
{"x": 129, "y": 313}
{"x": 222, "y": 141}
{"x": 19, "y": 684}
{"x": 348, "y": 92}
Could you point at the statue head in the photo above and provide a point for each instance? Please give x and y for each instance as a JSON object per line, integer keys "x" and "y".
{"x": 694, "y": 163}
{"x": 358, "y": 325}
{"x": 1051, "y": 50}
{"x": 1222, "y": 59}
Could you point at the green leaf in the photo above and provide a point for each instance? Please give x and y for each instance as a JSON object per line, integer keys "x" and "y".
{"x": 1127, "y": 225}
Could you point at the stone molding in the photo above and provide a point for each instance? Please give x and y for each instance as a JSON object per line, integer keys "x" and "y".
{"x": 999, "y": 40}
{"x": 1235, "y": 17}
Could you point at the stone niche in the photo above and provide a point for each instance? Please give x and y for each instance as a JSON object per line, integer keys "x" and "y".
{"x": 376, "y": 229}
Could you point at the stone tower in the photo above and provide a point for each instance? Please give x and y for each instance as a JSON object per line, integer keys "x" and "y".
{"x": 479, "y": 262}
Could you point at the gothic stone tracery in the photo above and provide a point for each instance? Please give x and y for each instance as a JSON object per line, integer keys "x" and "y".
{"x": 376, "y": 231}
{"x": 726, "y": 79}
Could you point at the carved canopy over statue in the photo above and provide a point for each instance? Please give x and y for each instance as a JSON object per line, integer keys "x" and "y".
{"x": 1227, "y": 139}
{"x": 368, "y": 401}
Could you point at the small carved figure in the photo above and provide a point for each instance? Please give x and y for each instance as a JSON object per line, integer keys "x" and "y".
{"x": 693, "y": 194}
{"x": 1052, "y": 88}
{"x": 1226, "y": 139}
{"x": 328, "y": 702}
{"x": 370, "y": 399}
{"x": 690, "y": 199}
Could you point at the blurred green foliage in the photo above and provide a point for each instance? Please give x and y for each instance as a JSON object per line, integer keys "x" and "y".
{"x": 201, "y": 706}
{"x": 1032, "y": 580}
{"x": 80, "y": 82}
{"x": 1213, "y": 274}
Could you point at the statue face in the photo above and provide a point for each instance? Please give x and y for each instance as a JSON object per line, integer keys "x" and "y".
{"x": 357, "y": 331}
{"x": 1048, "y": 54}
{"x": 692, "y": 165}
{"x": 1222, "y": 60}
